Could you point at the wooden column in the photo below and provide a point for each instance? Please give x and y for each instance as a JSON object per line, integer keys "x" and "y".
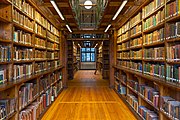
{"x": 63, "y": 58}
{"x": 112, "y": 60}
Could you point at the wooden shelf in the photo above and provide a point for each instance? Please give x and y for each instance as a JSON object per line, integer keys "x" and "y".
{"x": 132, "y": 89}
{"x": 173, "y": 40}
{"x": 151, "y": 29}
{"x": 125, "y": 40}
{"x": 173, "y": 19}
{"x": 39, "y": 48}
{"x": 154, "y": 44}
{"x": 4, "y": 20}
{"x": 136, "y": 23}
{"x": 136, "y": 47}
{"x": 40, "y": 60}
{"x": 40, "y": 36}
{"x": 5, "y": 41}
{"x": 148, "y": 101}
{"x": 23, "y": 45}
{"x": 11, "y": 115}
{"x": 120, "y": 80}
{"x": 136, "y": 35}
{"x": 23, "y": 28}
{"x": 153, "y": 60}
{"x": 173, "y": 62}
{"x": 161, "y": 81}
{"x": 23, "y": 61}
{"x": 5, "y": 63}
{"x": 139, "y": 59}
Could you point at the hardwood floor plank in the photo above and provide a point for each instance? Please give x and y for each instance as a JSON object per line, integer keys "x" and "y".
{"x": 88, "y": 97}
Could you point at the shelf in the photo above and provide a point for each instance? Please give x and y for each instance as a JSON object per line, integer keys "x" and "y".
{"x": 136, "y": 35}
{"x": 148, "y": 101}
{"x": 23, "y": 28}
{"x": 39, "y": 48}
{"x": 173, "y": 40}
{"x": 149, "y": 77}
{"x": 139, "y": 59}
{"x": 40, "y": 36}
{"x": 172, "y": 62}
{"x": 5, "y": 63}
{"x": 4, "y": 20}
{"x": 5, "y": 41}
{"x": 40, "y": 60}
{"x": 173, "y": 19}
{"x": 6, "y": 2}
{"x": 151, "y": 29}
{"x": 136, "y": 47}
{"x": 11, "y": 115}
{"x": 153, "y": 60}
{"x": 23, "y": 61}
{"x": 132, "y": 89}
{"x": 154, "y": 44}
{"x": 50, "y": 40}
{"x": 135, "y": 24}
{"x": 165, "y": 114}
{"x": 23, "y": 45}
{"x": 26, "y": 78}
{"x": 125, "y": 40}
{"x": 40, "y": 24}
{"x": 120, "y": 80}
{"x": 153, "y": 12}
{"x": 125, "y": 49}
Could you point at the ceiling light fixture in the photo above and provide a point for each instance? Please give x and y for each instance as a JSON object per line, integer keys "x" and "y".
{"x": 57, "y": 9}
{"x": 88, "y": 4}
{"x": 119, "y": 10}
{"x": 68, "y": 28}
{"x": 107, "y": 28}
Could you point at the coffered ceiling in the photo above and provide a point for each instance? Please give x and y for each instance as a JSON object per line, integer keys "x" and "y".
{"x": 86, "y": 19}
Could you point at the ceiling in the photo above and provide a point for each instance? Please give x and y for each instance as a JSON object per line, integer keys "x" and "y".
{"x": 80, "y": 19}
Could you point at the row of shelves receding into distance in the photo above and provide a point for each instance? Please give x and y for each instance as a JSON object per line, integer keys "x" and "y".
{"x": 147, "y": 71}
{"x": 30, "y": 67}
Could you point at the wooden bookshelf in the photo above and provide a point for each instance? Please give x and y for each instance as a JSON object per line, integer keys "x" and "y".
{"x": 150, "y": 62}
{"x": 28, "y": 54}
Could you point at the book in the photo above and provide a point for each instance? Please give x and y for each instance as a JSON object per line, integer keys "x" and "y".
{"x": 20, "y": 36}
{"x": 40, "y": 42}
{"x": 147, "y": 114}
{"x": 3, "y": 75}
{"x": 22, "y": 53}
{"x": 5, "y": 53}
{"x": 157, "y": 53}
{"x": 133, "y": 101}
{"x": 40, "y": 55}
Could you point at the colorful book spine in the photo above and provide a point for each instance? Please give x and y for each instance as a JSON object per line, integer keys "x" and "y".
{"x": 136, "y": 54}
{"x": 7, "y": 107}
{"x": 39, "y": 55}
{"x": 150, "y": 94}
{"x": 27, "y": 93}
{"x": 136, "y": 19}
{"x": 22, "y": 70}
{"x": 154, "y": 20}
{"x": 156, "y": 36}
{"x": 151, "y": 7}
{"x": 136, "y": 42}
{"x": 22, "y": 20}
{"x": 154, "y": 53}
{"x": 20, "y": 36}
{"x": 135, "y": 30}
{"x": 172, "y": 9}
{"x": 40, "y": 42}
{"x": 137, "y": 66}
{"x": 172, "y": 30}
{"x": 173, "y": 52}
{"x": 3, "y": 75}
{"x": 133, "y": 101}
{"x": 5, "y": 53}
{"x": 133, "y": 84}
{"x": 32, "y": 112}
{"x": 154, "y": 69}
{"x": 39, "y": 67}
{"x": 147, "y": 114}
{"x": 171, "y": 107}
{"x": 22, "y": 54}
{"x": 39, "y": 30}
{"x": 125, "y": 45}
{"x": 173, "y": 73}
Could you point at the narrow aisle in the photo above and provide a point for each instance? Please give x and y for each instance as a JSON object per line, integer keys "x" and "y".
{"x": 88, "y": 97}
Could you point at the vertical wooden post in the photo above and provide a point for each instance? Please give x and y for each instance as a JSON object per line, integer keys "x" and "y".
{"x": 112, "y": 60}
{"x": 63, "y": 58}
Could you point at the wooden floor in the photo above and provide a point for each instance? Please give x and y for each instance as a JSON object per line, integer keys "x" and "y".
{"x": 88, "y": 97}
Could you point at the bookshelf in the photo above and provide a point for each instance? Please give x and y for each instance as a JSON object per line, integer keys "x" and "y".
{"x": 147, "y": 66}
{"x": 76, "y": 57}
{"x": 103, "y": 59}
{"x": 70, "y": 62}
{"x": 30, "y": 67}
